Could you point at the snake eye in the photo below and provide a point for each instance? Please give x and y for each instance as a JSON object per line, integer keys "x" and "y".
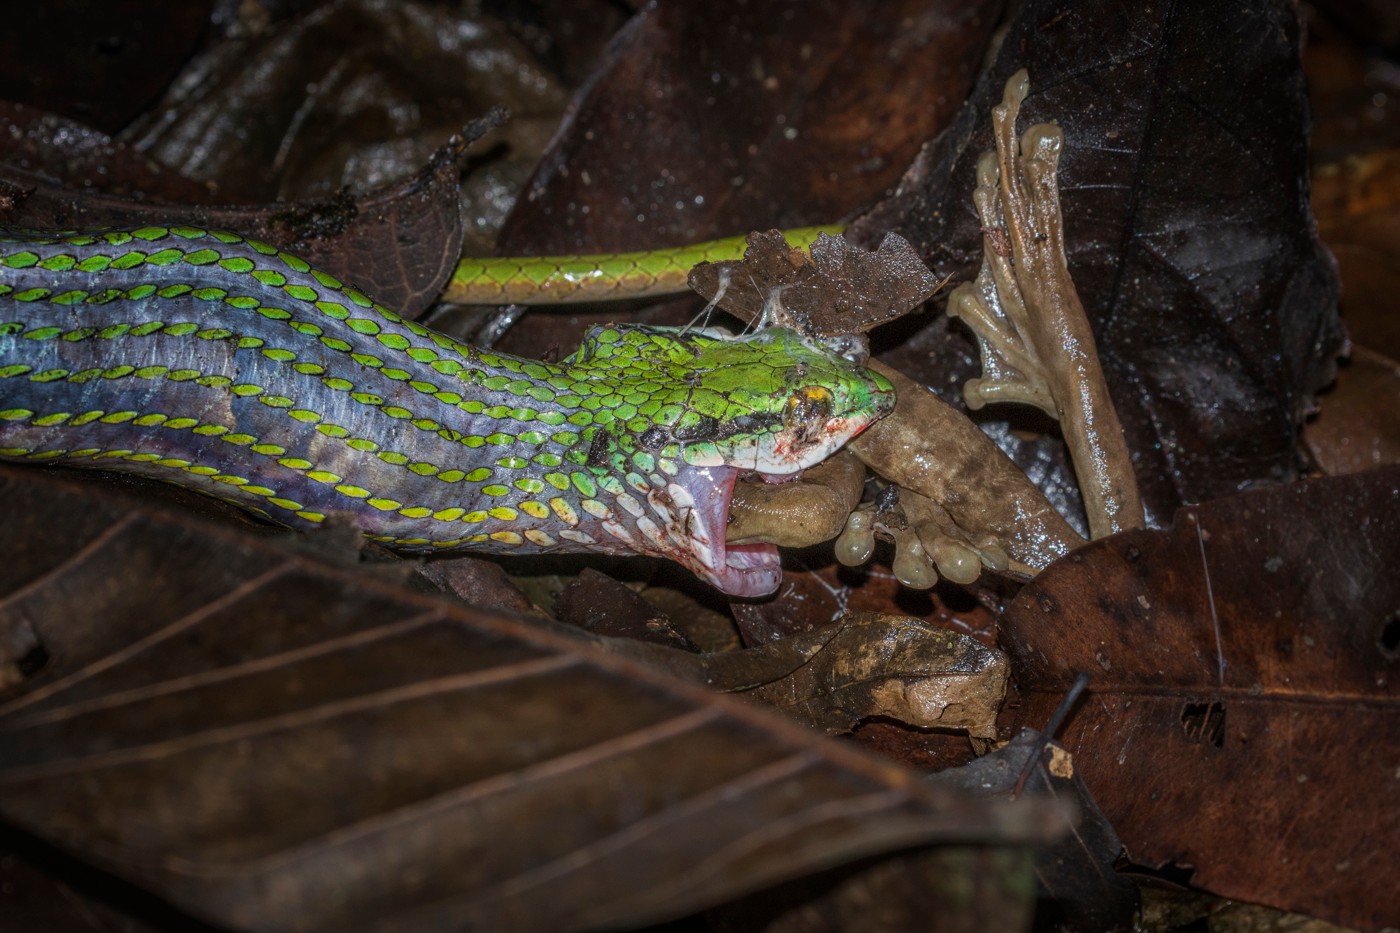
{"x": 807, "y": 408}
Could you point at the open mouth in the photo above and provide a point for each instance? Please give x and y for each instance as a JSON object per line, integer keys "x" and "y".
{"x": 698, "y": 513}
{"x": 745, "y": 570}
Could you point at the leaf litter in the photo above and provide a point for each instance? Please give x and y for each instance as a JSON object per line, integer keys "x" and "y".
{"x": 1247, "y": 438}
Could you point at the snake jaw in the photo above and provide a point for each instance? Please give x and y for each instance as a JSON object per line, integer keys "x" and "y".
{"x": 698, "y": 505}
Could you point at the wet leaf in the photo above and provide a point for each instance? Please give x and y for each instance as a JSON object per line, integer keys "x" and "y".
{"x": 271, "y": 741}
{"x": 1243, "y": 720}
{"x": 1183, "y": 180}
{"x": 353, "y": 94}
{"x": 710, "y": 119}
{"x": 42, "y": 149}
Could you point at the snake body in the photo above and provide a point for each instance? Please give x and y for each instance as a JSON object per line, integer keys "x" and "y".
{"x": 228, "y": 366}
{"x": 540, "y": 280}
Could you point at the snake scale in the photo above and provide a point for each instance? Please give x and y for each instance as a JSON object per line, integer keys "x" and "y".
{"x": 228, "y": 366}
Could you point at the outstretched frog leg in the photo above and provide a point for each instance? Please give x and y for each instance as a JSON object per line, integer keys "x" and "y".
{"x": 1036, "y": 344}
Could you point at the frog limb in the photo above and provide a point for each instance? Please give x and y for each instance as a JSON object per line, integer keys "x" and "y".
{"x": 933, "y": 450}
{"x": 806, "y": 511}
{"x": 963, "y": 503}
{"x": 957, "y": 555}
{"x": 928, "y": 543}
{"x": 1036, "y": 344}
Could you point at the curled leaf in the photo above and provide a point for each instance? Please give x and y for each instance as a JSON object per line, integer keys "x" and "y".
{"x": 399, "y": 243}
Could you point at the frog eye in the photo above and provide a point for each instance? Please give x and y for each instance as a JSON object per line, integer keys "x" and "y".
{"x": 808, "y": 407}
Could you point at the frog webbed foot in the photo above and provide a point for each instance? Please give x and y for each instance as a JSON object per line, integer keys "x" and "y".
{"x": 993, "y": 305}
{"x": 928, "y": 542}
{"x": 1033, "y": 334}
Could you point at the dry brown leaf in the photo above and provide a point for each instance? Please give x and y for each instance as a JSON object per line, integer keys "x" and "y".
{"x": 1357, "y": 425}
{"x": 272, "y": 741}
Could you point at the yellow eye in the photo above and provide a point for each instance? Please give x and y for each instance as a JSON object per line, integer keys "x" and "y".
{"x": 811, "y": 406}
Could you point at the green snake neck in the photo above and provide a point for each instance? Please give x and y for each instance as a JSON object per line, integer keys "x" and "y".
{"x": 228, "y": 366}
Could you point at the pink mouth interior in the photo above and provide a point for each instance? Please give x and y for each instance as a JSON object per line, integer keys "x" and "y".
{"x": 745, "y": 570}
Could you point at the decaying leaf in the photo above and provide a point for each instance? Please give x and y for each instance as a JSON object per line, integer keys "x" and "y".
{"x": 836, "y": 289}
{"x": 42, "y": 150}
{"x": 476, "y": 581}
{"x": 964, "y": 890}
{"x": 708, "y": 120}
{"x": 1075, "y": 873}
{"x": 188, "y": 754}
{"x": 714, "y": 119}
{"x": 597, "y": 603}
{"x": 304, "y": 101}
{"x": 866, "y": 666}
{"x": 896, "y": 667}
{"x": 1243, "y": 720}
{"x": 271, "y": 741}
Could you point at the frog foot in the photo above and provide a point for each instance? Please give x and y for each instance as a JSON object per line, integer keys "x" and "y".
{"x": 928, "y": 543}
{"x": 993, "y": 305}
{"x": 1032, "y": 332}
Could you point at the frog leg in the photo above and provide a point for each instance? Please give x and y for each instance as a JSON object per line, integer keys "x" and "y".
{"x": 1036, "y": 344}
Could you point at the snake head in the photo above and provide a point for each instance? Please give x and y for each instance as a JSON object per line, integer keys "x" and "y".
{"x": 704, "y": 409}
{"x": 771, "y": 403}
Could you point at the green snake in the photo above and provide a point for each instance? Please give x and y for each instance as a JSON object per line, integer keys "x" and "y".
{"x": 223, "y": 364}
